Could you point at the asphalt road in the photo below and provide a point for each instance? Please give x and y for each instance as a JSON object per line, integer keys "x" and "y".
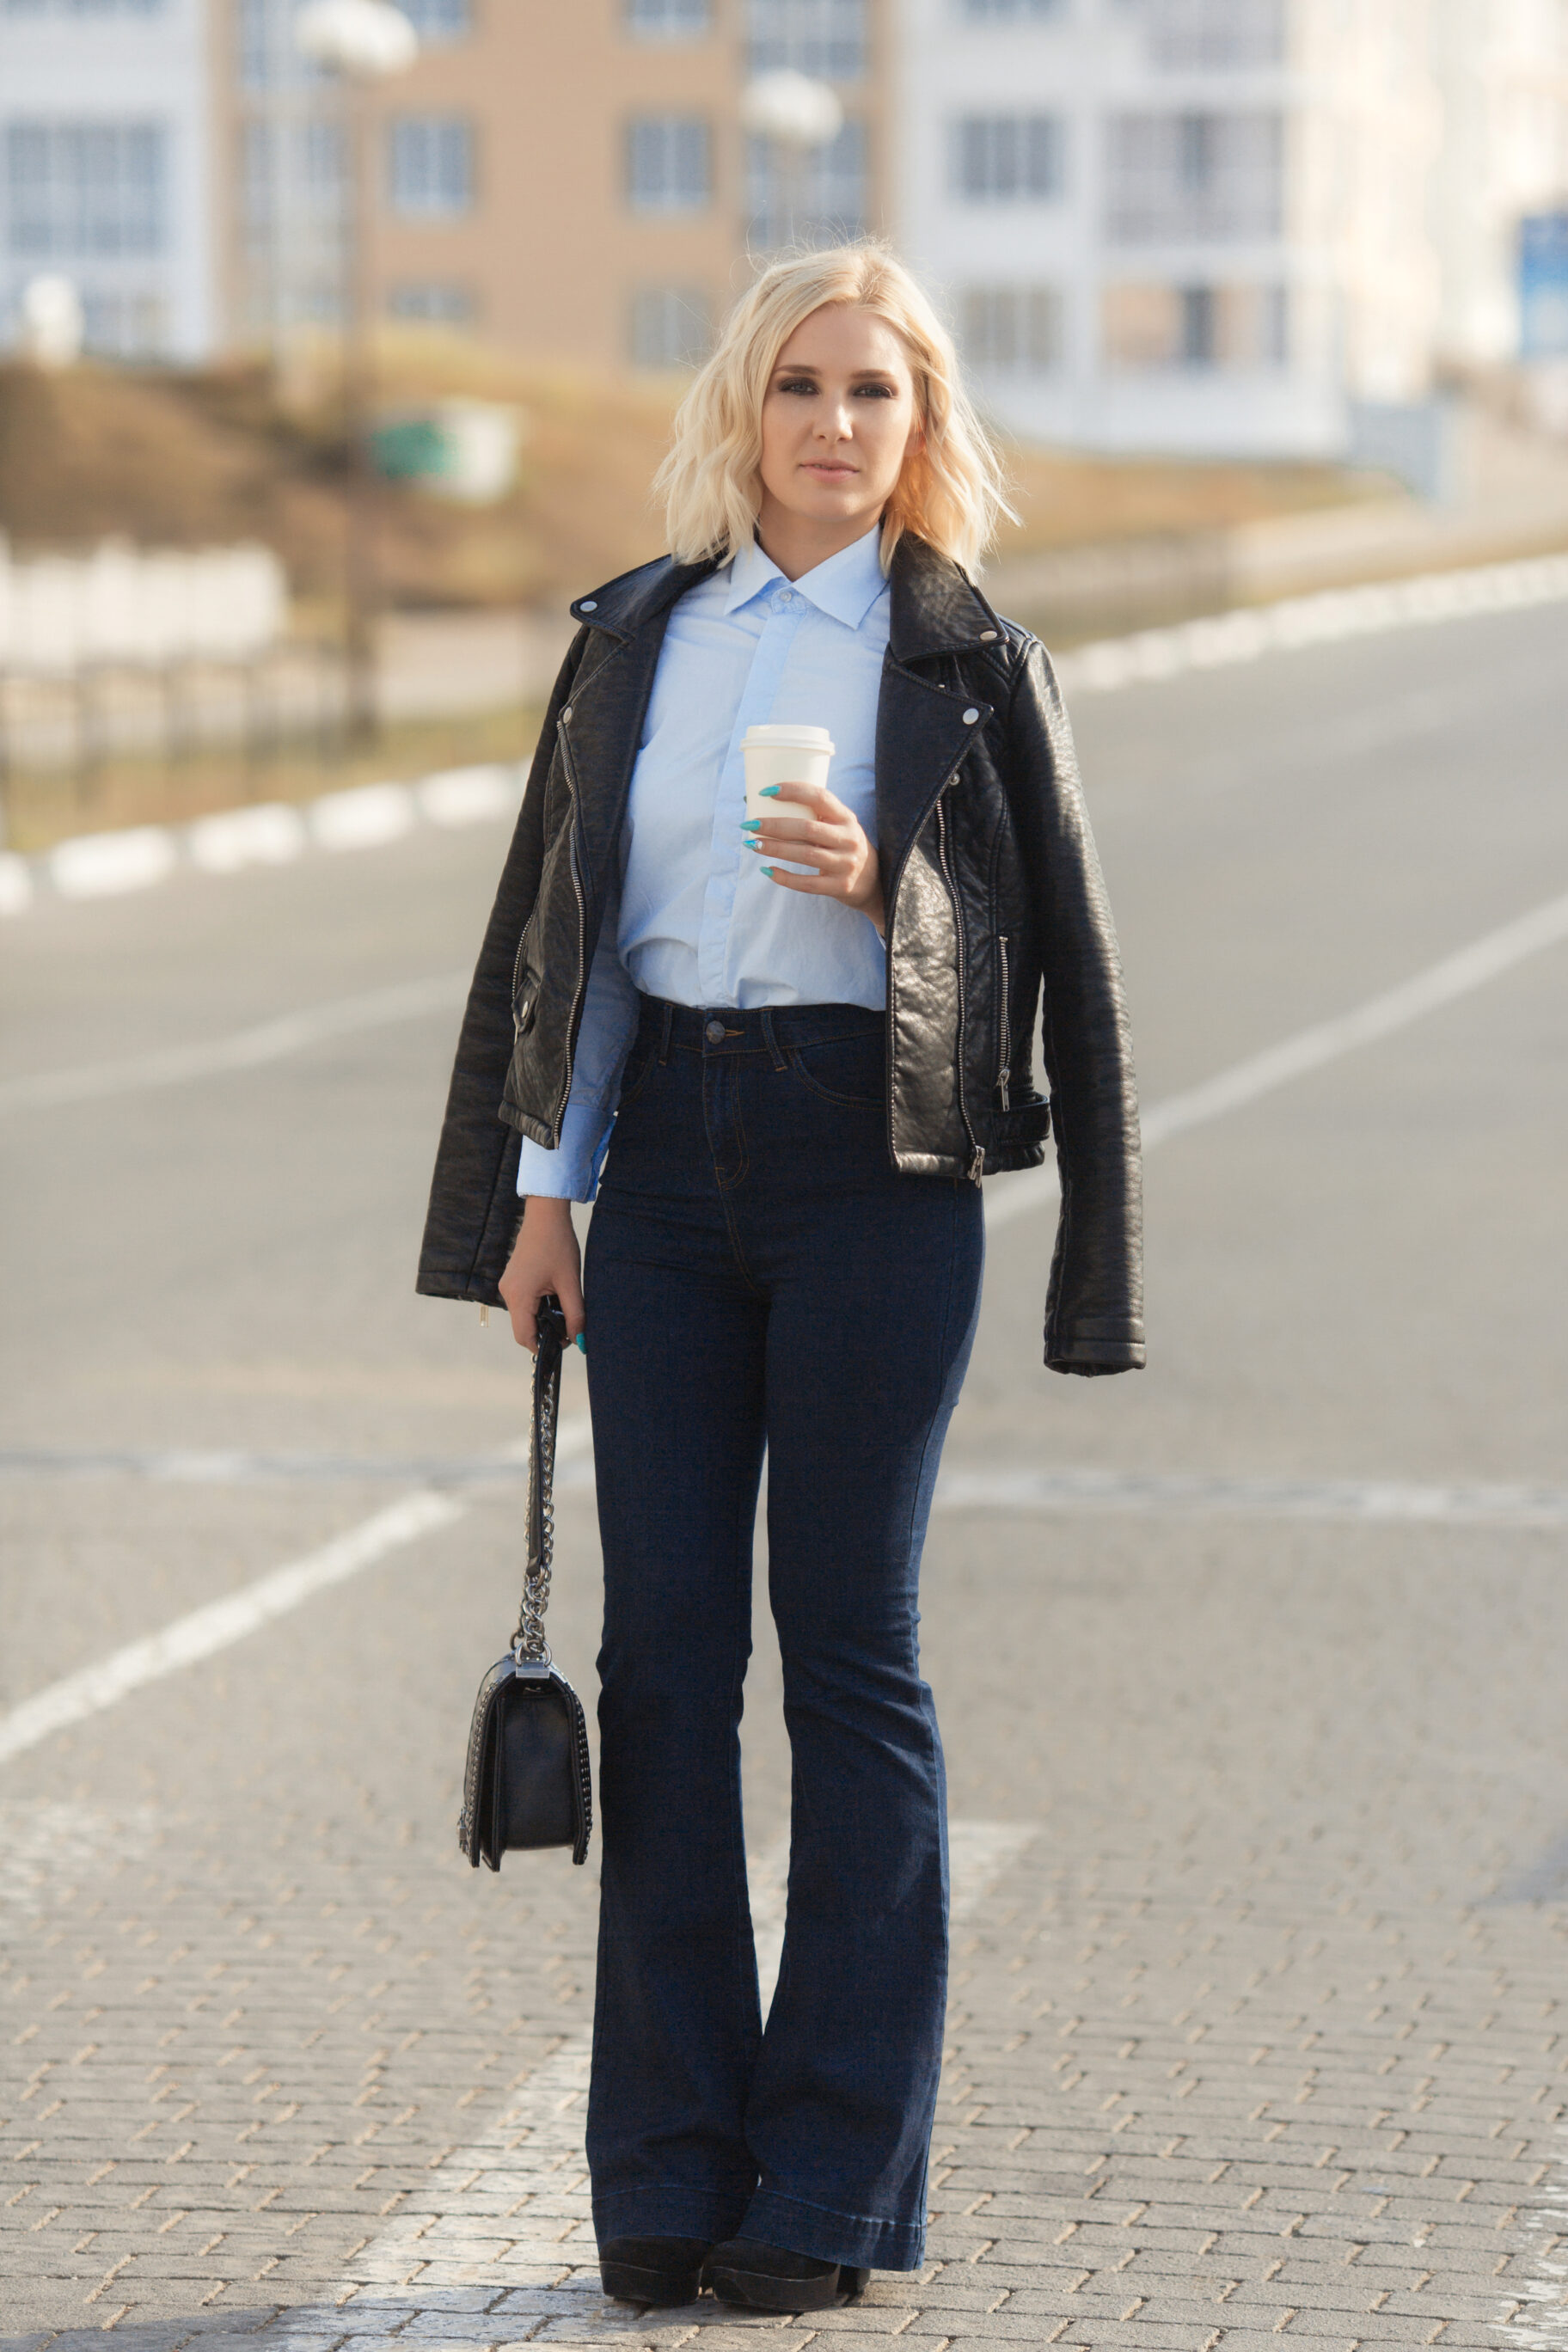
{"x": 1256, "y": 1736}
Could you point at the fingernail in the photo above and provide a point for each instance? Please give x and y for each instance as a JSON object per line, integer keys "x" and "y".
{"x": 757, "y": 845}
{"x": 582, "y": 1343}
{"x": 770, "y": 791}
{"x": 769, "y": 872}
{"x": 751, "y": 824}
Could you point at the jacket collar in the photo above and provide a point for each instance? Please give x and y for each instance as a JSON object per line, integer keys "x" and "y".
{"x": 623, "y": 606}
{"x": 936, "y": 609}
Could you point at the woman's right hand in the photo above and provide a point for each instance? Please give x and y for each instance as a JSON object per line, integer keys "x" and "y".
{"x": 546, "y": 1259}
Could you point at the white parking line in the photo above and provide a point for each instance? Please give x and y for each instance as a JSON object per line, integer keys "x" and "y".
{"x": 222, "y": 1622}
{"x": 510, "y": 2210}
{"x": 1455, "y": 975}
{"x": 1188, "y": 1495}
{"x": 1178, "y": 1493}
{"x": 245, "y": 1049}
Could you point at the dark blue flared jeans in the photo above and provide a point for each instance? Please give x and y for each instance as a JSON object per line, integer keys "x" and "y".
{"x": 760, "y": 1276}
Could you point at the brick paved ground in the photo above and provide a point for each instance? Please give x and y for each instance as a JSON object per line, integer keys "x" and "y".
{"x": 1260, "y": 2024}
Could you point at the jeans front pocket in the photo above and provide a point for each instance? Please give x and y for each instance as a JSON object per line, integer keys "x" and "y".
{"x": 850, "y": 1071}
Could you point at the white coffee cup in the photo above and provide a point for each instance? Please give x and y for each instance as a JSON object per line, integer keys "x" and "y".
{"x": 783, "y": 755}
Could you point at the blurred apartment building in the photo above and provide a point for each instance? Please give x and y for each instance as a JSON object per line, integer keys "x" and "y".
{"x": 1225, "y": 225}
{"x": 1203, "y": 225}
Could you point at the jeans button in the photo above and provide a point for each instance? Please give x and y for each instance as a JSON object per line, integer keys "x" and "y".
{"x": 714, "y": 1032}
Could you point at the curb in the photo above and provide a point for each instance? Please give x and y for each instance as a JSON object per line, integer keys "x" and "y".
{"x": 274, "y": 833}
{"x": 271, "y": 832}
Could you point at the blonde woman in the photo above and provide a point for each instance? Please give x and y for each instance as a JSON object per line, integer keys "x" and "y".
{"x": 780, "y": 1056}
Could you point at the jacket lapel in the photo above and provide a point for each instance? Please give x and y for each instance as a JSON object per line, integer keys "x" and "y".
{"x": 921, "y": 732}
{"x": 601, "y": 727}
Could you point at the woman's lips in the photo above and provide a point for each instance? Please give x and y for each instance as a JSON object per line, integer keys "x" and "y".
{"x": 814, "y": 466}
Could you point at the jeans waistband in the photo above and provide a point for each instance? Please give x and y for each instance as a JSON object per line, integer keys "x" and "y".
{"x": 770, "y": 1029}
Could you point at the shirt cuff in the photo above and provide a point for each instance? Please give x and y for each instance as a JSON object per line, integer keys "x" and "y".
{"x": 570, "y": 1172}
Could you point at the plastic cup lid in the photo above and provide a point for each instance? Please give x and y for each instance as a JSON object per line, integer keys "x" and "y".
{"x": 788, "y": 737}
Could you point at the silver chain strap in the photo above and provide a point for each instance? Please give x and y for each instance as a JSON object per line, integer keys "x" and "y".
{"x": 529, "y": 1645}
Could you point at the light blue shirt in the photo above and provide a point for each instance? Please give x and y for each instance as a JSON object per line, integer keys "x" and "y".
{"x": 695, "y": 919}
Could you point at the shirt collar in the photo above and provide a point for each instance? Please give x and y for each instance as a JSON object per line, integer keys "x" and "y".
{"x": 845, "y": 587}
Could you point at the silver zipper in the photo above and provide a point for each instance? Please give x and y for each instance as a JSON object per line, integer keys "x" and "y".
{"x": 977, "y": 1150}
{"x": 582, "y": 988}
{"x": 1005, "y": 1075}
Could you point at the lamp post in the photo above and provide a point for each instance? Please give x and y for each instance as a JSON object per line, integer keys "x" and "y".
{"x": 797, "y": 116}
{"x": 358, "y": 42}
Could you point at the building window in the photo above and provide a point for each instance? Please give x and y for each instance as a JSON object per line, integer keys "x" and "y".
{"x": 76, "y": 190}
{"x": 1010, "y": 12}
{"x": 81, "y": 7}
{"x": 1185, "y": 35}
{"x": 669, "y": 167}
{"x": 125, "y": 326}
{"x": 1243, "y": 329}
{"x": 1012, "y": 330}
{"x": 1175, "y": 179}
{"x": 438, "y": 22}
{"x": 823, "y": 38}
{"x": 818, "y": 199}
{"x": 430, "y": 165}
{"x": 668, "y": 20}
{"x": 432, "y": 302}
{"x": 670, "y": 327}
{"x": 1009, "y": 158}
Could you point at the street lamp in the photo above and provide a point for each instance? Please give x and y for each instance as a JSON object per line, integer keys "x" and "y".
{"x": 797, "y": 116}
{"x": 360, "y": 43}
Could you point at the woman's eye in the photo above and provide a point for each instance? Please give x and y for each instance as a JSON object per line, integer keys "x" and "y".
{"x": 798, "y": 383}
{"x": 876, "y": 390}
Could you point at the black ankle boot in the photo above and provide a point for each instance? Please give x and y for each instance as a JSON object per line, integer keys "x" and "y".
{"x": 771, "y": 2278}
{"x": 653, "y": 2270}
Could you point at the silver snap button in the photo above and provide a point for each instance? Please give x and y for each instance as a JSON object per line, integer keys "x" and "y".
{"x": 714, "y": 1032}
{"x": 970, "y": 716}
{"x": 589, "y": 605}
{"x": 987, "y": 636}
{"x": 567, "y": 712}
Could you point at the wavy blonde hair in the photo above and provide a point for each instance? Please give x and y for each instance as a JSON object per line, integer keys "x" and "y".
{"x": 951, "y": 492}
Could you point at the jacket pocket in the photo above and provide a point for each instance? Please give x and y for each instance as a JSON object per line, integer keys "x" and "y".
{"x": 1021, "y": 1122}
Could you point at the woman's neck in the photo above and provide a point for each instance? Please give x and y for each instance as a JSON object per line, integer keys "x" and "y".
{"x": 798, "y": 543}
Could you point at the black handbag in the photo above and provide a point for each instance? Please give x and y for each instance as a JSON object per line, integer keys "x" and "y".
{"x": 528, "y": 1781}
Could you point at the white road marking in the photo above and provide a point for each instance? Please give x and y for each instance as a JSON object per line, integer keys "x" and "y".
{"x": 1384, "y": 1502}
{"x": 510, "y": 2210}
{"x": 1454, "y": 976}
{"x": 245, "y": 1049}
{"x": 1390, "y": 1502}
{"x": 1535, "y": 2309}
{"x": 221, "y": 1622}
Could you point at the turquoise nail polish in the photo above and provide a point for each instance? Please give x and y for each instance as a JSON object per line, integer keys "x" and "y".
{"x": 769, "y": 872}
{"x": 751, "y": 824}
{"x": 771, "y": 791}
{"x": 756, "y": 846}
{"x": 582, "y": 1343}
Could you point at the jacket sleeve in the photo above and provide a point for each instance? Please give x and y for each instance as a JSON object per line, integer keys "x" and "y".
{"x": 475, "y": 1160}
{"x": 1094, "y": 1307}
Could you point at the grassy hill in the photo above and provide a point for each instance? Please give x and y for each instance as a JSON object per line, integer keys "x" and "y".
{"x": 227, "y": 453}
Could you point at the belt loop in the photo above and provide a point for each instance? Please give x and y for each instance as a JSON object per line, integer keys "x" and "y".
{"x": 664, "y": 1036}
{"x": 774, "y": 1048}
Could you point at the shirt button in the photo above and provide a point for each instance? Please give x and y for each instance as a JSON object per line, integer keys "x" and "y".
{"x": 567, "y": 712}
{"x": 589, "y": 605}
{"x": 987, "y": 636}
{"x": 970, "y": 716}
{"x": 714, "y": 1032}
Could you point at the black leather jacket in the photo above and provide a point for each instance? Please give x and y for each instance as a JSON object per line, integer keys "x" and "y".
{"x": 996, "y": 915}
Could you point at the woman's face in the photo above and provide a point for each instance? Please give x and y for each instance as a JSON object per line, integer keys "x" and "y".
{"x": 838, "y": 420}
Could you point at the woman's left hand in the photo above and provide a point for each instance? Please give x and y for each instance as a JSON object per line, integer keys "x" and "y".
{"x": 832, "y": 839}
